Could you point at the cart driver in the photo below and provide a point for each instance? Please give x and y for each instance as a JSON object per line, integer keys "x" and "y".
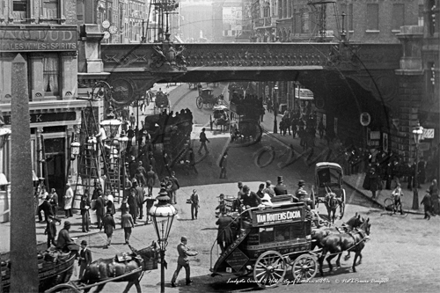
{"x": 301, "y": 193}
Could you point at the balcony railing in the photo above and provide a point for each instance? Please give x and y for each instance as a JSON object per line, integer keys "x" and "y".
{"x": 263, "y": 22}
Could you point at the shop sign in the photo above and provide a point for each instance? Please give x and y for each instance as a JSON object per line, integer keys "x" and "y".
{"x": 30, "y": 40}
{"x": 278, "y": 217}
{"x": 428, "y": 133}
{"x": 47, "y": 117}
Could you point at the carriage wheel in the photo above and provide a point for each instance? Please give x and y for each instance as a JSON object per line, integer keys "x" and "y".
{"x": 199, "y": 102}
{"x": 389, "y": 204}
{"x": 269, "y": 269}
{"x": 64, "y": 288}
{"x": 304, "y": 268}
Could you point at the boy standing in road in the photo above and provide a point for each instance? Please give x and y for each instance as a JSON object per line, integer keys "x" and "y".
{"x": 85, "y": 258}
{"x": 183, "y": 261}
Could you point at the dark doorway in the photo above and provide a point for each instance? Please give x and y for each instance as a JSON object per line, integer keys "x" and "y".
{"x": 54, "y": 168}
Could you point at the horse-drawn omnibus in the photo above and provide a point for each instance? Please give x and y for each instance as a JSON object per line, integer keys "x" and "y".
{"x": 270, "y": 239}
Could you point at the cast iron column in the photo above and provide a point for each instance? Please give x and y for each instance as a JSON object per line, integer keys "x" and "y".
{"x": 24, "y": 269}
{"x": 415, "y": 205}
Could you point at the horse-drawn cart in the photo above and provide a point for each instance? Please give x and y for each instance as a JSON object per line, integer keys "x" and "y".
{"x": 270, "y": 240}
{"x": 122, "y": 268}
{"x": 53, "y": 268}
{"x": 328, "y": 188}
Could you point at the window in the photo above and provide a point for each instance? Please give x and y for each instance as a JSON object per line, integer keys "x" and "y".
{"x": 266, "y": 235}
{"x": 282, "y": 233}
{"x": 420, "y": 17}
{"x": 297, "y": 230}
{"x": 431, "y": 17}
{"x": 431, "y": 77}
{"x": 304, "y": 21}
{"x": 19, "y": 10}
{"x": 51, "y": 71}
{"x": 348, "y": 20}
{"x": 373, "y": 17}
{"x": 49, "y": 9}
{"x": 398, "y": 17}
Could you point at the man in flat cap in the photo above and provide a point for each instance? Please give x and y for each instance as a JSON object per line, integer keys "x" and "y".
{"x": 183, "y": 261}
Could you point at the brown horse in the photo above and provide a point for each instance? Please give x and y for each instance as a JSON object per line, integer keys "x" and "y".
{"x": 105, "y": 269}
{"x": 319, "y": 234}
{"x": 349, "y": 241}
{"x": 332, "y": 202}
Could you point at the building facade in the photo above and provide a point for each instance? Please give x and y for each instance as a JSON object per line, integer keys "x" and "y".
{"x": 45, "y": 33}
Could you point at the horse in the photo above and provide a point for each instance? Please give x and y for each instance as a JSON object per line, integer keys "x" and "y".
{"x": 319, "y": 234}
{"x": 348, "y": 241}
{"x": 331, "y": 203}
{"x": 104, "y": 269}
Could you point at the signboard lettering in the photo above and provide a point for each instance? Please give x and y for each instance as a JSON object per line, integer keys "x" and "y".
{"x": 428, "y": 133}
{"x": 38, "y": 40}
{"x": 46, "y": 117}
{"x": 268, "y": 218}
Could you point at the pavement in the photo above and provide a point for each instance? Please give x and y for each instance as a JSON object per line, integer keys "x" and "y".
{"x": 354, "y": 181}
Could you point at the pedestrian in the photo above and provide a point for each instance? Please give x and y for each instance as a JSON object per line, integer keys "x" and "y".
{"x": 109, "y": 203}
{"x": 250, "y": 199}
{"x": 280, "y": 188}
{"x": 166, "y": 163}
{"x": 84, "y": 206}
{"x": 127, "y": 224}
{"x": 100, "y": 209}
{"x": 132, "y": 120}
{"x": 397, "y": 194}
{"x": 203, "y": 141}
{"x": 221, "y": 206}
{"x": 269, "y": 190}
{"x": 53, "y": 200}
{"x": 225, "y": 231}
{"x": 194, "y": 200}
{"x": 140, "y": 174}
{"x": 174, "y": 187}
{"x": 140, "y": 195}
{"x": 41, "y": 194}
{"x": 375, "y": 182}
{"x": 260, "y": 191}
{"x": 192, "y": 161}
{"x": 223, "y": 165}
{"x": 433, "y": 191}
{"x": 151, "y": 180}
{"x": 150, "y": 201}
{"x": 85, "y": 258}
{"x": 64, "y": 242}
{"x": 109, "y": 226}
{"x": 51, "y": 231}
{"x": 183, "y": 261}
{"x": 427, "y": 202}
{"x": 46, "y": 208}
{"x": 68, "y": 198}
{"x": 133, "y": 204}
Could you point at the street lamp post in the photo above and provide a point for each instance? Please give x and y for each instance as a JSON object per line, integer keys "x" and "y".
{"x": 163, "y": 214}
{"x": 417, "y": 133}
{"x": 275, "y": 108}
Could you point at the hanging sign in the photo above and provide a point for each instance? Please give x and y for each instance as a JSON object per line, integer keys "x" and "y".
{"x": 428, "y": 133}
{"x": 365, "y": 119}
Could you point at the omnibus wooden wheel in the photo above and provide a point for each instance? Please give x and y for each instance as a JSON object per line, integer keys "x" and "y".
{"x": 269, "y": 269}
{"x": 304, "y": 268}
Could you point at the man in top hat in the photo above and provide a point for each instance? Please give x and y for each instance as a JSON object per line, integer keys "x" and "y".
{"x": 280, "y": 188}
{"x": 302, "y": 195}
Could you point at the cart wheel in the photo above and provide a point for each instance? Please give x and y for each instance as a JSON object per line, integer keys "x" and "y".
{"x": 199, "y": 102}
{"x": 269, "y": 269}
{"x": 389, "y": 204}
{"x": 304, "y": 268}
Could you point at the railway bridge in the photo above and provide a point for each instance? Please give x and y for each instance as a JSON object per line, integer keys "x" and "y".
{"x": 346, "y": 78}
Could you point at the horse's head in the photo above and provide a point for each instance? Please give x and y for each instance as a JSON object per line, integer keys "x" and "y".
{"x": 355, "y": 221}
{"x": 365, "y": 226}
{"x": 148, "y": 252}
